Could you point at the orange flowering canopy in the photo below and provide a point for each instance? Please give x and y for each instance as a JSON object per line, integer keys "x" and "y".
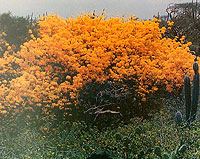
{"x": 71, "y": 52}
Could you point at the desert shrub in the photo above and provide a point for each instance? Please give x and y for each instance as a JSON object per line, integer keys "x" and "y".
{"x": 71, "y": 53}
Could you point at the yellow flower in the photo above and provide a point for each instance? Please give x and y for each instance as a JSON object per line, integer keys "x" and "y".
{"x": 92, "y": 49}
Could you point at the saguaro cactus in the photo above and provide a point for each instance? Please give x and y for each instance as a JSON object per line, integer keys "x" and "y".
{"x": 191, "y": 101}
{"x": 195, "y": 91}
{"x": 187, "y": 91}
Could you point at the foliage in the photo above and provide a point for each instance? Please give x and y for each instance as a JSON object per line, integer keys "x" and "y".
{"x": 70, "y": 53}
{"x": 113, "y": 101}
{"x": 32, "y": 135}
{"x": 3, "y": 43}
{"x": 186, "y": 22}
{"x": 18, "y": 29}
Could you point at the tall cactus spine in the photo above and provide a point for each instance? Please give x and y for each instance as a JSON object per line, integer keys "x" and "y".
{"x": 187, "y": 93}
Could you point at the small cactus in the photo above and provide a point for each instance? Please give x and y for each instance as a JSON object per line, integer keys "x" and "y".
{"x": 178, "y": 118}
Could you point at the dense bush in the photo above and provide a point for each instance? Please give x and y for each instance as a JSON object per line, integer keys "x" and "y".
{"x": 71, "y": 53}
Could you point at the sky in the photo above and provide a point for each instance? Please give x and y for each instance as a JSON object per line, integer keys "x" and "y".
{"x": 144, "y": 9}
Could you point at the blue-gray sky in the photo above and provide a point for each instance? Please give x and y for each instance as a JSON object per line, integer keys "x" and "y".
{"x": 140, "y": 8}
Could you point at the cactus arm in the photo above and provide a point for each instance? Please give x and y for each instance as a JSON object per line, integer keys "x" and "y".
{"x": 195, "y": 91}
{"x": 195, "y": 96}
{"x": 187, "y": 93}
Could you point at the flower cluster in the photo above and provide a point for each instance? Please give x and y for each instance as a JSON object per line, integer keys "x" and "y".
{"x": 71, "y": 52}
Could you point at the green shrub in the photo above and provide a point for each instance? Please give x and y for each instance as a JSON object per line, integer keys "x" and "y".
{"x": 38, "y": 137}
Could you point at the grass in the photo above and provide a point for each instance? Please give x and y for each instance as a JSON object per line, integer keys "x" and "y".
{"x": 28, "y": 136}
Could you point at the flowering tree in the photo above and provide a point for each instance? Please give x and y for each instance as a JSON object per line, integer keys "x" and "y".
{"x": 51, "y": 70}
